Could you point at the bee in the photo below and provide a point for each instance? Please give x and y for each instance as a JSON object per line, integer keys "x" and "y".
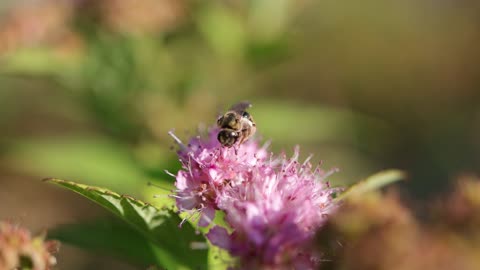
{"x": 236, "y": 125}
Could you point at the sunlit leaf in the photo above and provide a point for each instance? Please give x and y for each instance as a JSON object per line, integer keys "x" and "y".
{"x": 158, "y": 225}
{"x": 219, "y": 259}
{"x": 373, "y": 182}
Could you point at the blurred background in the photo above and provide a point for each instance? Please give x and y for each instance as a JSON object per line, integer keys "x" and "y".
{"x": 89, "y": 90}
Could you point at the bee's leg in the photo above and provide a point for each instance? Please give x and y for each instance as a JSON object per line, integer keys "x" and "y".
{"x": 242, "y": 139}
{"x": 244, "y": 136}
{"x": 235, "y": 148}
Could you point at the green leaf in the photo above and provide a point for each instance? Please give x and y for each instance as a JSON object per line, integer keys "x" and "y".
{"x": 111, "y": 237}
{"x": 372, "y": 183}
{"x": 158, "y": 225}
{"x": 97, "y": 159}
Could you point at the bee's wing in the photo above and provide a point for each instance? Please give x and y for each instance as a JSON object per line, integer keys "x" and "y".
{"x": 241, "y": 106}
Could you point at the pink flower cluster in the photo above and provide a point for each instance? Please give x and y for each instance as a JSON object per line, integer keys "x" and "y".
{"x": 273, "y": 205}
{"x": 20, "y": 250}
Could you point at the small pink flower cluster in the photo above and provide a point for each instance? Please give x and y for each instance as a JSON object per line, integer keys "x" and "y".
{"x": 273, "y": 205}
{"x": 19, "y": 250}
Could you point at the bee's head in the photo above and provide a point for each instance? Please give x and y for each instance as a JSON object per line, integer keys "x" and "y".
{"x": 228, "y": 137}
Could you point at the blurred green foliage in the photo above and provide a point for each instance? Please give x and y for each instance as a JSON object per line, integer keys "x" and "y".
{"x": 367, "y": 86}
{"x": 89, "y": 89}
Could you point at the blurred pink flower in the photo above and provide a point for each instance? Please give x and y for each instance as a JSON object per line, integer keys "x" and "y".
{"x": 273, "y": 204}
{"x": 18, "y": 249}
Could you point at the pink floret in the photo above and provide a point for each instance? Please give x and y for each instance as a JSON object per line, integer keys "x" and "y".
{"x": 207, "y": 168}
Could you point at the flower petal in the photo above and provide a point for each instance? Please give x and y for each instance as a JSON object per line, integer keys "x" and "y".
{"x": 208, "y": 214}
{"x": 219, "y": 237}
